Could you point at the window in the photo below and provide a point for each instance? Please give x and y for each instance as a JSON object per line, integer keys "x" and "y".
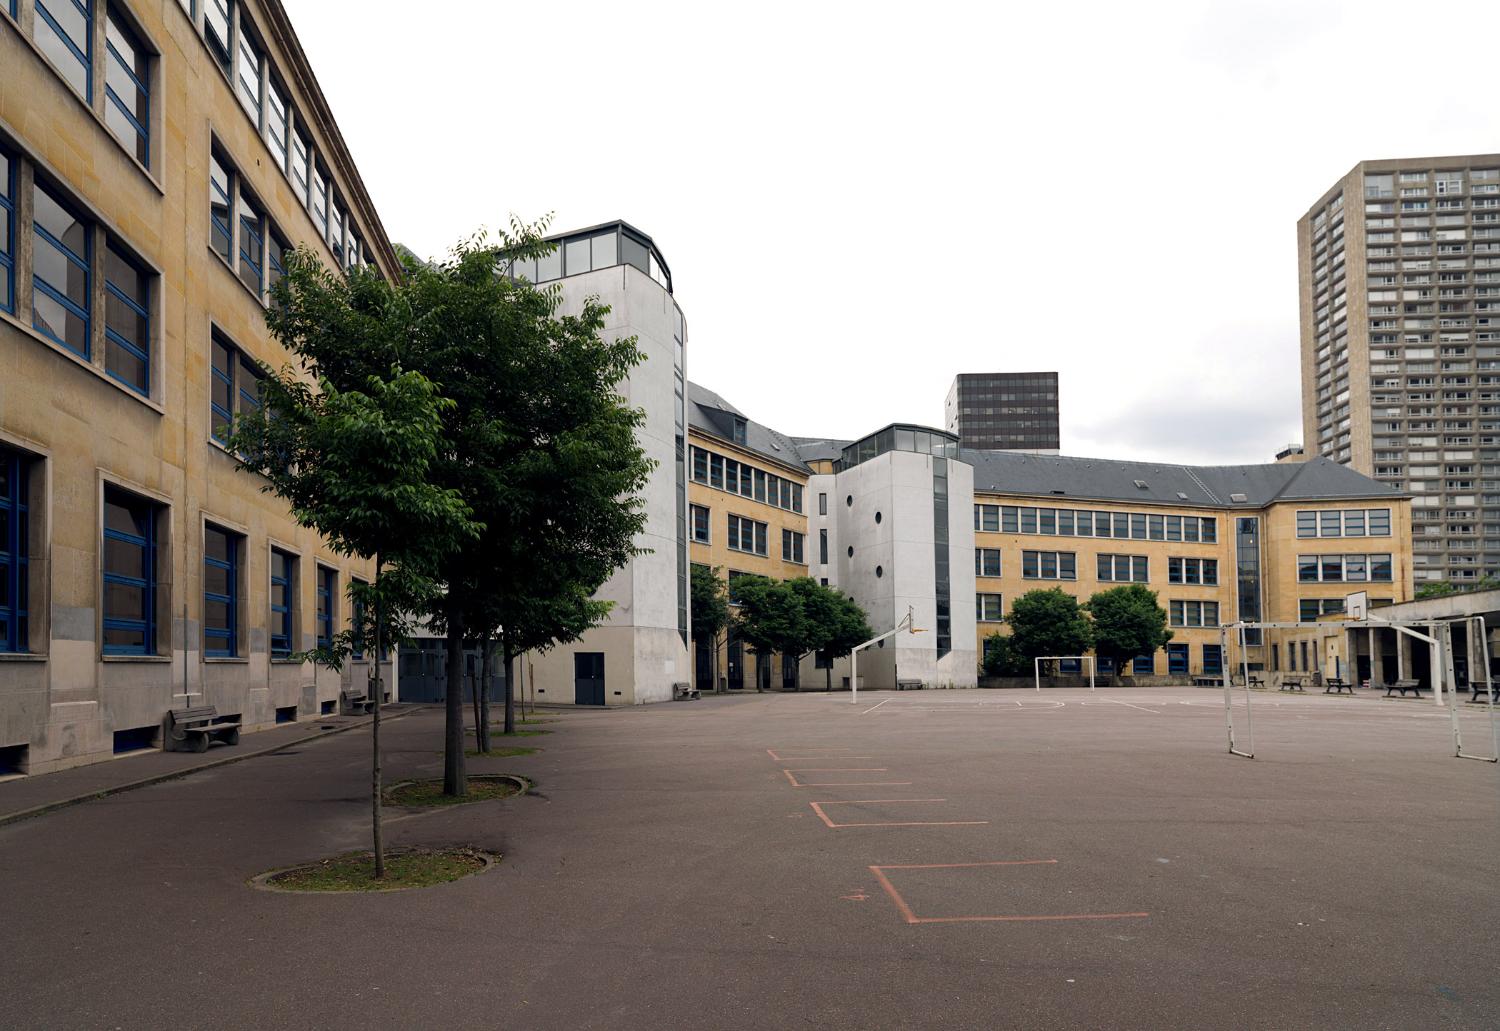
{"x": 283, "y": 602}
{"x": 1309, "y": 609}
{"x": 300, "y": 163}
{"x": 252, "y": 246}
{"x": 701, "y": 532}
{"x": 221, "y": 586}
{"x": 1213, "y": 660}
{"x": 221, "y": 225}
{"x": 1193, "y": 613}
{"x": 129, "y": 569}
{"x": 127, "y": 320}
{"x": 1137, "y": 527}
{"x": 986, "y": 561}
{"x": 822, "y": 505}
{"x": 1378, "y": 522}
{"x": 1208, "y": 530}
{"x": 700, "y": 465}
{"x": 320, "y": 201}
{"x": 791, "y": 546}
{"x": 823, "y": 547}
{"x": 1174, "y": 528}
{"x": 1123, "y": 569}
{"x": 235, "y": 387}
{"x": 336, "y": 230}
{"x": 987, "y": 608}
{"x": 328, "y": 593}
{"x": 276, "y": 249}
{"x": 1049, "y": 565}
{"x": 127, "y": 87}
{"x": 1344, "y": 568}
{"x": 278, "y": 126}
{"x": 64, "y": 31}
{"x": 357, "y": 622}
{"x": 1307, "y": 524}
{"x": 739, "y": 430}
{"x": 60, "y": 274}
{"x": 1143, "y": 664}
{"x": 987, "y": 518}
{"x": 1028, "y": 520}
{"x": 1177, "y": 660}
{"x": 216, "y": 30}
{"x": 7, "y": 232}
{"x": 1193, "y": 571}
{"x": 14, "y": 551}
{"x": 748, "y": 535}
{"x": 247, "y": 73}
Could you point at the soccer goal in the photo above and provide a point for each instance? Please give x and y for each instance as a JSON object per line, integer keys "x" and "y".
{"x": 1037, "y": 666}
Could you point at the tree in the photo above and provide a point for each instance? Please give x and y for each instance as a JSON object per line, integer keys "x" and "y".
{"x": 1001, "y": 659}
{"x": 710, "y": 612}
{"x": 1127, "y": 622}
{"x": 769, "y": 618}
{"x": 1048, "y": 622}
{"x": 353, "y": 464}
{"x": 834, "y": 623}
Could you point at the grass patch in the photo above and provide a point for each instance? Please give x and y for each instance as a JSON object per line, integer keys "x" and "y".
{"x": 516, "y": 733}
{"x": 482, "y": 788}
{"x": 355, "y": 871}
{"x": 500, "y": 753}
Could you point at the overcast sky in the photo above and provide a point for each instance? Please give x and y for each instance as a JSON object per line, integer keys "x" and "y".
{"x": 859, "y": 200}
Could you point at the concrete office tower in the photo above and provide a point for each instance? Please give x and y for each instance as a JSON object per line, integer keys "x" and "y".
{"x": 641, "y": 649}
{"x": 148, "y": 190}
{"x": 1004, "y": 411}
{"x": 1399, "y": 268}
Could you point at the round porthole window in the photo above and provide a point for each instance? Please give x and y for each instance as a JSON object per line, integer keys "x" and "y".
{"x": 877, "y": 517}
{"x": 851, "y": 551}
{"x": 879, "y": 572}
{"x": 849, "y": 501}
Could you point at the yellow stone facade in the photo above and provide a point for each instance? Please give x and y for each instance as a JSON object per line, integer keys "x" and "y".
{"x": 79, "y": 431}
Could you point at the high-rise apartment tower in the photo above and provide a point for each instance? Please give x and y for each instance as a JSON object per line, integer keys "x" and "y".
{"x": 1004, "y": 411}
{"x": 1399, "y": 268}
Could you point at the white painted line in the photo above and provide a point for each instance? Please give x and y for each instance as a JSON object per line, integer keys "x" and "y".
{"x": 874, "y": 707}
{"x": 1115, "y": 701}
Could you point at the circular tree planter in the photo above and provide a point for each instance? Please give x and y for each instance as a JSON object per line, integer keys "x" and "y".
{"x": 483, "y": 787}
{"x": 405, "y": 868}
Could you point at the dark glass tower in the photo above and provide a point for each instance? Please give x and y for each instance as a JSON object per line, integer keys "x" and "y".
{"x": 1004, "y": 411}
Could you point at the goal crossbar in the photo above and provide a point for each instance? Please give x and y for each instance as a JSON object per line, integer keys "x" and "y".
{"x": 1037, "y": 667}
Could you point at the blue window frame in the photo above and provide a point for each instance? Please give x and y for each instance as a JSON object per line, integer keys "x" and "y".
{"x": 220, "y": 208}
{"x": 235, "y": 387}
{"x": 1177, "y": 660}
{"x": 1106, "y": 666}
{"x": 1213, "y": 659}
{"x": 221, "y": 586}
{"x": 1144, "y": 664}
{"x": 328, "y": 590}
{"x": 64, "y": 31}
{"x": 7, "y": 232}
{"x": 129, "y": 573}
{"x": 13, "y": 551}
{"x": 283, "y": 588}
{"x": 358, "y": 651}
{"x": 252, "y": 246}
{"x": 127, "y": 87}
{"x": 276, "y": 247}
{"x": 60, "y": 273}
{"x": 127, "y": 321}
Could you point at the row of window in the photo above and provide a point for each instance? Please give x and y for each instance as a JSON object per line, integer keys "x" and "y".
{"x": 1357, "y": 522}
{"x": 1343, "y": 568}
{"x": 132, "y": 573}
{"x": 1177, "y": 662}
{"x": 1193, "y": 613}
{"x": 1067, "y": 522}
{"x": 737, "y": 477}
{"x": 748, "y": 535}
{"x": 69, "y": 253}
{"x": 237, "y": 46}
{"x": 240, "y": 232}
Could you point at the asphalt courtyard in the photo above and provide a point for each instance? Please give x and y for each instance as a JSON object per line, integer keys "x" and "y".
{"x": 942, "y": 859}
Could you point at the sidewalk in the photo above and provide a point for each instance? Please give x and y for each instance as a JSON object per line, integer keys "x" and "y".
{"x": 25, "y": 797}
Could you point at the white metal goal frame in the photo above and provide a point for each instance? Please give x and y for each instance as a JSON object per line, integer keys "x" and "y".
{"x": 1037, "y": 667}
{"x": 1440, "y": 659}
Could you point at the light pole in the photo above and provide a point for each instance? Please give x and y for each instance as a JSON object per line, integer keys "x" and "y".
{"x": 905, "y": 624}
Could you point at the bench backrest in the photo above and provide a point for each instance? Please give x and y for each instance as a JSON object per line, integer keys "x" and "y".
{"x": 197, "y": 715}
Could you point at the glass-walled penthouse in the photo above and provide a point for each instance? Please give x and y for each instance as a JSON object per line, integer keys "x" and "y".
{"x": 602, "y": 246}
{"x": 898, "y": 437}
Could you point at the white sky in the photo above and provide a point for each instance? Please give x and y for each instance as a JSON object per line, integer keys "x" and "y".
{"x": 858, "y": 200}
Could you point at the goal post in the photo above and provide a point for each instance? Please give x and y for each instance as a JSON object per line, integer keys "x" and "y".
{"x": 1037, "y": 666}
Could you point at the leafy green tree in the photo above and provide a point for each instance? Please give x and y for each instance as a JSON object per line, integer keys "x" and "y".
{"x": 1001, "y": 658}
{"x": 709, "y": 600}
{"x": 1128, "y": 622}
{"x": 834, "y": 624}
{"x": 769, "y": 617}
{"x": 1048, "y": 622}
{"x": 354, "y": 465}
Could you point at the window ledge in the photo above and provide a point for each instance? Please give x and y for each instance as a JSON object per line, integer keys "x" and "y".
{"x": 136, "y": 658}
{"x": 63, "y": 352}
{"x": 235, "y": 275}
{"x": 226, "y": 660}
{"x": 23, "y": 656}
{"x": 283, "y": 661}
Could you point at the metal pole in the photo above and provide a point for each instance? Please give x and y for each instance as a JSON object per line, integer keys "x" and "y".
{"x": 1036, "y": 672}
{"x": 1249, "y": 720}
{"x": 1093, "y": 669}
{"x": 854, "y": 674}
{"x": 1228, "y": 714}
{"x": 1484, "y": 651}
{"x": 1445, "y": 635}
{"x": 1434, "y": 664}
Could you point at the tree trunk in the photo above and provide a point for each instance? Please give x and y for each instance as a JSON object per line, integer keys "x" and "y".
{"x": 828, "y": 677}
{"x": 454, "y": 781}
{"x": 482, "y": 699}
{"x": 478, "y": 718}
{"x": 376, "y": 831}
{"x": 510, "y": 694}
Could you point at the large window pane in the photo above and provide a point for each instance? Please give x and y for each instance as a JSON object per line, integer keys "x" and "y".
{"x": 221, "y": 224}
{"x": 63, "y": 30}
{"x": 7, "y": 233}
{"x": 127, "y": 321}
{"x": 278, "y": 124}
{"x": 216, "y": 30}
{"x": 576, "y": 256}
{"x": 247, "y": 74}
{"x": 606, "y": 248}
{"x": 61, "y": 274}
{"x": 129, "y": 573}
{"x": 127, "y": 88}
{"x": 252, "y": 246}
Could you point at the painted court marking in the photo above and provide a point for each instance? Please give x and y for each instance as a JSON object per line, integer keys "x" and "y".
{"x": 778, "y": 757}
{"x": 791, "y": 775}
{"x": 876, "y": 706}
{"x": 912, "y": 918}
{"x": 817, "y": 807}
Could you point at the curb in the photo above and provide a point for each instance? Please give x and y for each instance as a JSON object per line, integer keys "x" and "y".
{"x": 47, "y": 807}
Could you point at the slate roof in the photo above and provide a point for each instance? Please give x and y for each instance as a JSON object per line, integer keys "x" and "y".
{"x": 1216, "y": 486}
{"x": 712, "y": 414}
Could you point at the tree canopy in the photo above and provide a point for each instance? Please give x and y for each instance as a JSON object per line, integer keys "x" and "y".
{"x": 1048, "y": 622}
{"x": 796, "y": 617}
{"x": 1128, "y": 622}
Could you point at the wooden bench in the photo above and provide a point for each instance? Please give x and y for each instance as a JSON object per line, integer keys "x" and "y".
{"x": 193, "y": 730}
{"x": 355, "y": 704}
{"x": 1479, "y": 691}
{"x": 1403, "y": 686}
{"x": 909, "y": 685}
{"x": 1292, "y": 684}
{"x": 683, "y": 691}
{"x": 1337, "y": 686}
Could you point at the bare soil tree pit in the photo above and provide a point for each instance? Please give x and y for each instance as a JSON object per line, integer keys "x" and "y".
{"x": 482, "y": 787}
{"x": 355, "y": 871}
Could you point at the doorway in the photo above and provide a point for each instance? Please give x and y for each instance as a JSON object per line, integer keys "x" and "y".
{"x": 588, "y": 678}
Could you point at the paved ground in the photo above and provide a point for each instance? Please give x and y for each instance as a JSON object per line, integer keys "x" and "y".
{"x": 672, "y": 870}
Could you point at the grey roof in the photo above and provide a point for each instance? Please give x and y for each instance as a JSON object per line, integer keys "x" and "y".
{"x": 711, "y": 414}
{"x": 1216, "y": 486}
{"x": 816, "y": 449}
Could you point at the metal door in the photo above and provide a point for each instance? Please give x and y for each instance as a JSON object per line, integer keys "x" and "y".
{"x": 588, "y": 678}
{"x": 735, "y": 666}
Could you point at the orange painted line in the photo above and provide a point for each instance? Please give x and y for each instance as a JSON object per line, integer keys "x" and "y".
{"x": 956, "y": 866}
{"x": 1024, "y": 919}
{"x": 791, "y": 776}
{"x": 818, "y": 808}
{"x": 842, "y": 769}
{"x": 890, "y": 889}
{"x": 912, "y": 918}
{"x": 918, "y": 823}
{"x": 775, "y": 753}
